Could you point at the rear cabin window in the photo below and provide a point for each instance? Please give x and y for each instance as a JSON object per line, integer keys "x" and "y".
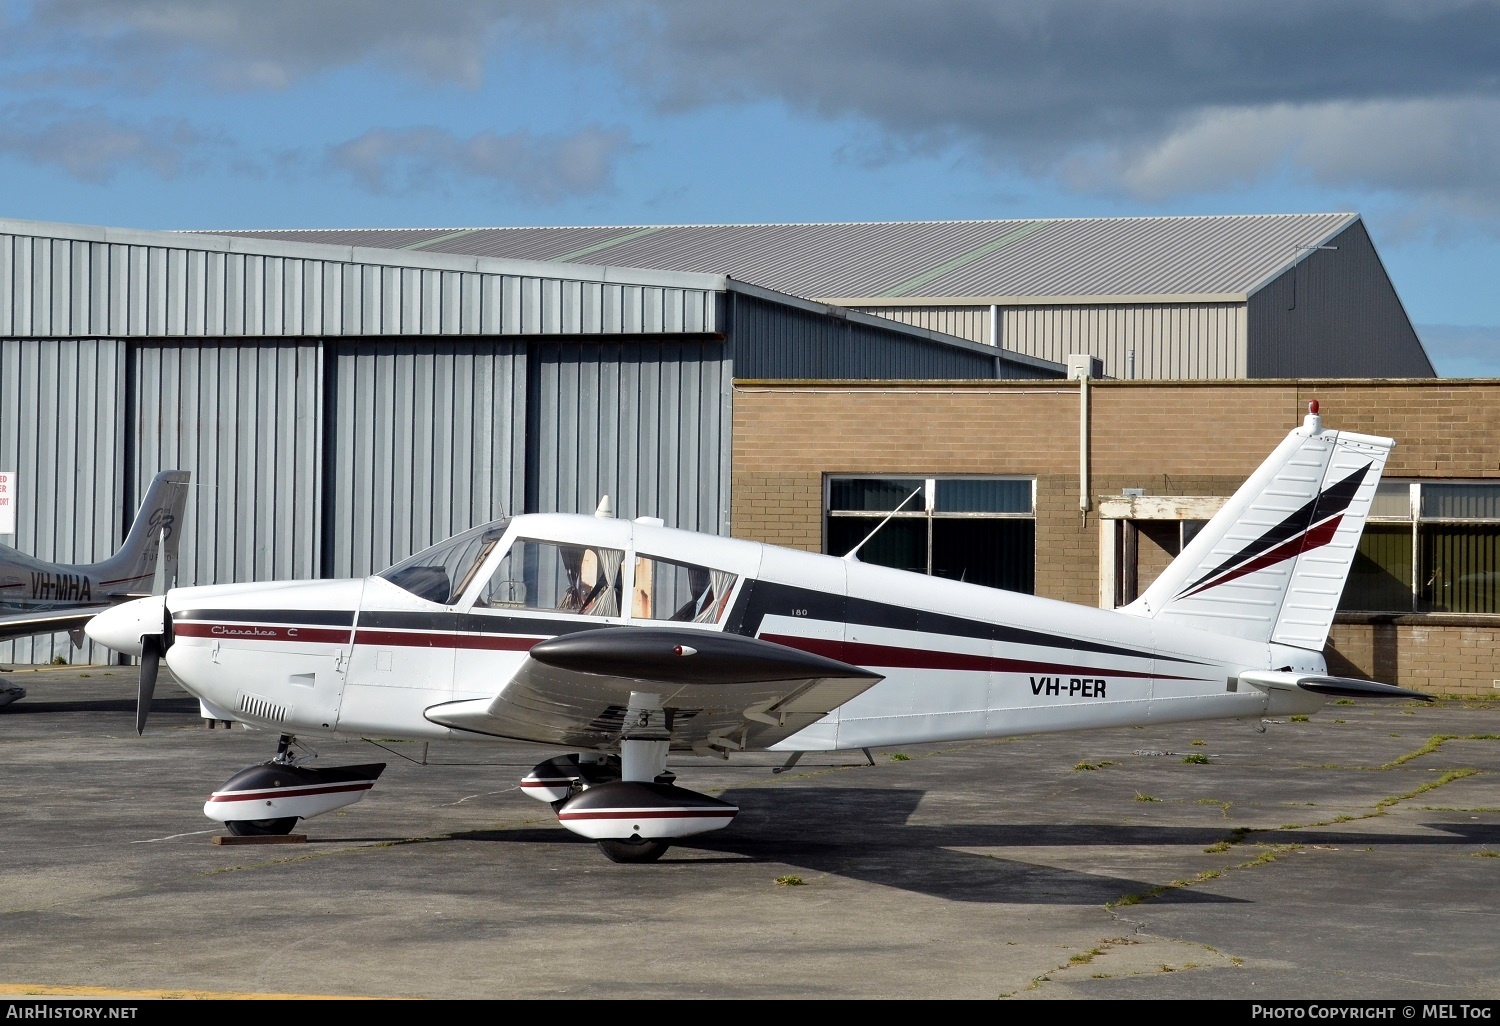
{"x": 556, "y": 577}
{"x": 668, "y": 590}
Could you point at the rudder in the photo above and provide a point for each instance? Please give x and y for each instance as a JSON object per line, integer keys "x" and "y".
{"x": 154, "y": 534}
{"x": 1271, "y": 565}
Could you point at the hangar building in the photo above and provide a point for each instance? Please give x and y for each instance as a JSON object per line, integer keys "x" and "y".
{"x": 341, "y": 407}
{"x": 344, "y": 398}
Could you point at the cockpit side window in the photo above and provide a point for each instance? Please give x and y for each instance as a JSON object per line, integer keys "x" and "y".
{"x": 668, "y": 590}
{"x": 556, "y": 577}
{"x": 443, "y": 572}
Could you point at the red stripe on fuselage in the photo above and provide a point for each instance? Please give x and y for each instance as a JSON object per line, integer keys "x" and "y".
{"x": 342, "y": 636}
{"x": 263, "y": 632}
{"x": 126, "y": 580}
{"x": 429, "y": 639}
{"x": 883, "y": 656}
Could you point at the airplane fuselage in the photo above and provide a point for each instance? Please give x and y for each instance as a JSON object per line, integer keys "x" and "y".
{"x": 959, "y": 661}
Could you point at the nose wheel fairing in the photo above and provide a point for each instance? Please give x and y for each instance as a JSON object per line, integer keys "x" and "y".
{"x": 278, "y": 791}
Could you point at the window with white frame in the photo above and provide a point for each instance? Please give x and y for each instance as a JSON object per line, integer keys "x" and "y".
{"x": 1429, "y": 547}
{"x": 976, "y": 529}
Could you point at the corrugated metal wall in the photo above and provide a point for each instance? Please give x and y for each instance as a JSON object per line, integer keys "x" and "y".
{"x": 426, "y": 439}
{"x": 772, "y": 340}
{"x": 1334, "y": 314}
{"x": 970, "y": 322}
{"x": 62, "y": 426}
{"x": 1170, "y": 339}
{"x": 76, "y": 287}
{"x": 646, "y": 423}
{"x": 246, "y": 421}
{"x": 1190, "y": 340}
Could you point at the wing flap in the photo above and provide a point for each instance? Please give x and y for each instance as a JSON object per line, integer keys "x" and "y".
{"x": 719, "y": 690}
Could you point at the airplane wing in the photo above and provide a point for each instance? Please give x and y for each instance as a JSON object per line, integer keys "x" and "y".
{"x": 720, "y": 691}
{"x": 47, "y": 621}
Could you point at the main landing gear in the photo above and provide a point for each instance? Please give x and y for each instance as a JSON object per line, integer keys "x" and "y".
{"x": 629, "y": 804}
{"x": 268, "y": 799}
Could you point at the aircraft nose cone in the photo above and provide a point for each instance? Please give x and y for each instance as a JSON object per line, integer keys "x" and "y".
{"x": 121, "y": 627}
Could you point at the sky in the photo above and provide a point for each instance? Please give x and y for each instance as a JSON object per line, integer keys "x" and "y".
{"x": 225, "y": 114}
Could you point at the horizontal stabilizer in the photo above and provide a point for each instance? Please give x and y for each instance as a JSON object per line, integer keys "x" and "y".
{"x": 1337, "y": 687}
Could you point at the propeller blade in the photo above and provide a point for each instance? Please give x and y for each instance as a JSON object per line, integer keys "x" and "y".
{"x": 151, "y": 647}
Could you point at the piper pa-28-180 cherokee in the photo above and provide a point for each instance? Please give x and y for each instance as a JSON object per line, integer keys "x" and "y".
{"x": 626, "y": 641}
{"x": 38, "y": 597}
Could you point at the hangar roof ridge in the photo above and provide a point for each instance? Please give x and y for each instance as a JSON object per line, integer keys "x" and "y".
{"x": 377, "y": 255}
{"x": 626, "y": 225}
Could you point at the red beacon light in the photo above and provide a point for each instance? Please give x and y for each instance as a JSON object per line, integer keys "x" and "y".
{"x": 1312, "y": 407}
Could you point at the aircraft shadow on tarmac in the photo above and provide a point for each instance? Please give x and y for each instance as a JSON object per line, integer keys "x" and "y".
{"x": 866, "y": 834}
{"x": 160, "y": 706}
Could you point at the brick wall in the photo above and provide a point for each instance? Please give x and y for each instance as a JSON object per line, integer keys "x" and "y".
{"x": 1438, "y": 655}
{"x": 1169, "y": 438}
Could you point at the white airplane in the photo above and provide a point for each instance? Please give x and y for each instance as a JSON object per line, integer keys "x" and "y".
{"x": 624, "y": 642}
{"x": 38, "y": 597}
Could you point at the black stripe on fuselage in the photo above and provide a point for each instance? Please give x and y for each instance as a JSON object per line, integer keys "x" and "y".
{"x": 759, "y": 599}
{"x": 478, "y": 623}
{"x": 756, "y": 601}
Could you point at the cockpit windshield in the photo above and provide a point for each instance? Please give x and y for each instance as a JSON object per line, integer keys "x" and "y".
{"x": 443, "y": 572}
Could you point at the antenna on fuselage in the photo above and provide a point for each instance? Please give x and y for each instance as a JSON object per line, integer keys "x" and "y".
{"x": 850, "y": 555}
{"x": 604, "y": 509}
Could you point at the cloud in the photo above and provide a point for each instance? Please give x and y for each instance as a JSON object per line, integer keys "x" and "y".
{"x": 268, "y": 44}
{"x": 547, "y": 169}
{"x": 1436, "y": 149}
{"x": 1147, "y": 100}
{"x": 1459, "y": 351}
{"x": 92, "y": 146}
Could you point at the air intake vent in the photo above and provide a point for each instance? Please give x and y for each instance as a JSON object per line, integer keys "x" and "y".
{"x": 258, "y": 708}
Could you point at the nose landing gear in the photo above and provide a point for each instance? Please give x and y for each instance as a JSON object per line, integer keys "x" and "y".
{"x": 268, "y": 799}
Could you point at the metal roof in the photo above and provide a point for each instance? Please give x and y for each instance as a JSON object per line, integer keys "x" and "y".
{"x": 1204, "y": 258}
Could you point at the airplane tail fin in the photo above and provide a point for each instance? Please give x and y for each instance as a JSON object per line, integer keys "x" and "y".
{"x": 1271, "y": 565}
{"x": 154, "y": 535}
